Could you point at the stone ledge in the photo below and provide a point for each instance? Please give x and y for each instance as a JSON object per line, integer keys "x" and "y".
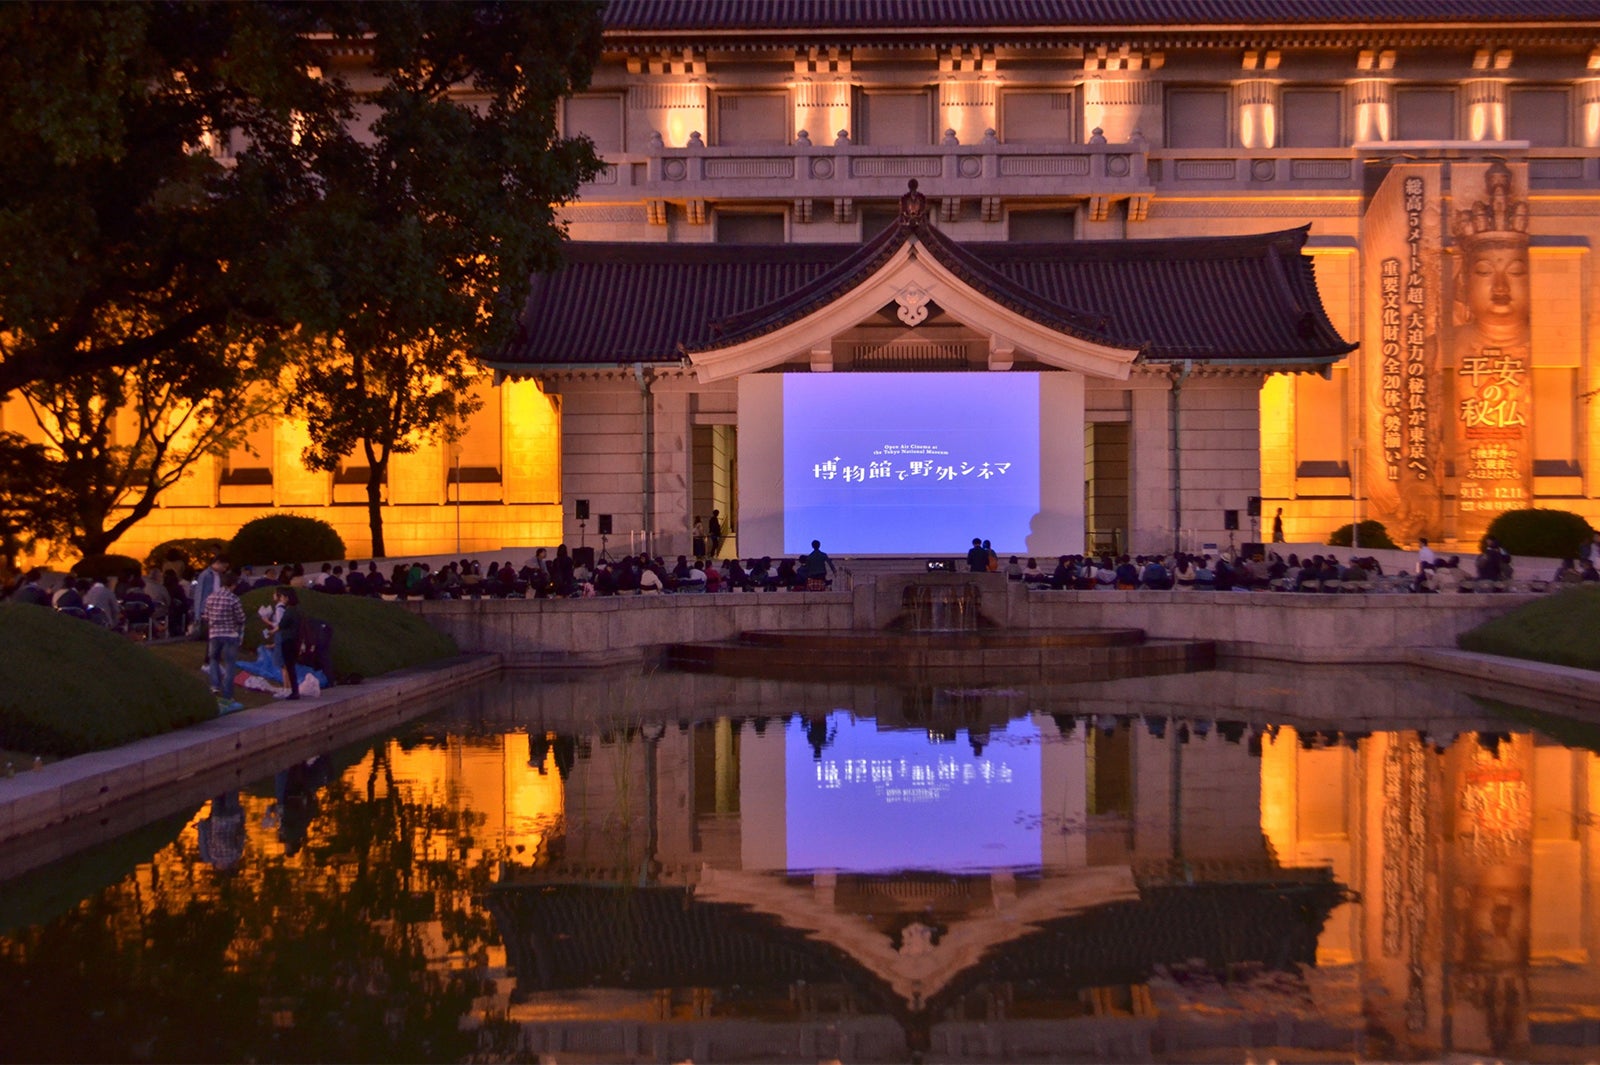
{"x": 78, "y": 791}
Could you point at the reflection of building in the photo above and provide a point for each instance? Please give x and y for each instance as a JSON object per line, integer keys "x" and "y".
{"x": 736, "y": 136}
{"x": 1473, "y": 928}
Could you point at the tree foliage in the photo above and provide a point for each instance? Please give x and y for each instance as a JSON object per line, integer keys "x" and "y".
{"x": 1373, "y": 534}
{"x": 185, "y": 183}
{"x": 418, "y": 252}
{"x": 1542, "y": 533}
{"x": 31, "y": 510}
{"x": 120, "y": 439}
{"x": 154, "y": 152}
{"x": 279, "y": 538}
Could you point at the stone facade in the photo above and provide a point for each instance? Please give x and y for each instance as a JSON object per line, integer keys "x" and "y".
{"x": 1030, "y": 134}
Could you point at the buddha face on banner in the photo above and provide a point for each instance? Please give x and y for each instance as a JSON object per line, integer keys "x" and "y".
{"x": 1492, "y": 365}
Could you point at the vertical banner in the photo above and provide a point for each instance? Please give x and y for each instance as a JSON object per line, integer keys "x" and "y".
{"x": 1490, "y": 870}
{"x": 1404, "y": 392}
{"x": 1491, "y": 362}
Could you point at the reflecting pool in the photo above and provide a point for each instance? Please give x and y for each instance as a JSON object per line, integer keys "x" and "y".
{"x": 1290, "y": 862}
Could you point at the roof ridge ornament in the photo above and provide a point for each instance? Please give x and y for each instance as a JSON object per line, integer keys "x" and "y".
{"x": 913, "y": 207}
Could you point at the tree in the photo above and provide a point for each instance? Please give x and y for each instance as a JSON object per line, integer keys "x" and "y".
{"x": 30, "y": 507}
{"x": 418, "y": 252}
{"x": 154, "y": 154}
{"x": 119, "y": 439}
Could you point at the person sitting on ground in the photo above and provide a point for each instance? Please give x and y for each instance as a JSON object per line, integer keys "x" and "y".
{"x": 318, "y": 579}
{"x": 1493, "y": 562}
{"x": 69, "y": 596}
{"x": 1105, "y": 573}
{"x": 1277, "y": 568}
{"x": 713, "y": 577}
{"x": 1183, "y": 571}
{"x": 1127, "y": 574}
{"x": 1032, "y": 574}
{"x": 356, "y": 581}
{"x": 333, "y": 583}
{"x": 1354, "y": 573}
{"x": 1223, "y": 578}
{"x": 650, "y": 582}
{"x": 1589, "y": 571}
{"x": 605, "y": 579}
{"x": 1205, "y": 578}
{"x": 737, "y": 577}
{"x": 1448, "y": 575}
{"x": 1426, "y": 580}
{"x": 1013, "y": 569}
{"x": 98, "y": 597}
{"x": 1155, "y": 576}
{"x": 30, "y": 591}
{"x": 788, "y": 575}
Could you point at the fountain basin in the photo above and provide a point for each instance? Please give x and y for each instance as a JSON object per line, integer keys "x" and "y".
{"x": 1000, "y": 653}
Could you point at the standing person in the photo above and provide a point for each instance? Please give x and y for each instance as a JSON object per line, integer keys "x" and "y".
{"x": 698, "y": 538}
{"x": 1425, "y": 555}
{"x": 991, "y": 561}
{"x": 204, "y": 586}
{"x": 1591, "y": 553}
{"x": 224, "y": 618}
{"x": 1277, "y": 527}
{"x": 714, "y": 530}
{"x": 286, "y": 636}
{"x": 977, "y": 557}
{"x": 817, "y": 565}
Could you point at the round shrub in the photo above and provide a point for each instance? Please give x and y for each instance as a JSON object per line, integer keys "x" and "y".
{"x": 279, "y": 538}
{"x": 192, "y": 552}
{"x": 1373, "y": 534}
{"x": 1541, "y": 533}
{"x": 104, "y": 567}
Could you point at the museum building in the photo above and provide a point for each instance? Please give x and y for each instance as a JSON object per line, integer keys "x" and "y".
{"x": 1328, "y": 258}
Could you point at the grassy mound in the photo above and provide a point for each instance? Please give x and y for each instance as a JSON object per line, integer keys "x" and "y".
{"x": 1559, "y": 629}
{"x": 370, "y": 636}
{"x": 67, "y": 686}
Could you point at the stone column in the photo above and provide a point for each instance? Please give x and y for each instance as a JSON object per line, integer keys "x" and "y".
{"x": 1373, "y": 99}
{"x": 1486, "y": 109}
{"x": 674, "y": 110}
{"x": 1118, "y": 106}
{"x": 1258, "y": 113}
{"x": 1589, "y": 112}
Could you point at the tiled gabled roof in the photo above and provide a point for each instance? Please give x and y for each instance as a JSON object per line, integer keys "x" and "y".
{"x": 679, "y": 15}
{"x": 1235, "y": 298}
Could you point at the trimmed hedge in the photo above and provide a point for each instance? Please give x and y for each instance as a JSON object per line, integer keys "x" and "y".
{"x": 195, "y": 552}
{"x": 279, "y": 538}
{"x": 68, "y": 686}
{"x": 1558, "y": 629}
{"x": 370, "y": 636}
{"x": 104, "y": 567}
{"x": 1373, "y": 534}
{"x": 1541, "y": 533}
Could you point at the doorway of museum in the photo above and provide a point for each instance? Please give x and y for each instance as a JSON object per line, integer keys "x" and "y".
{"x": 715, "y": 486}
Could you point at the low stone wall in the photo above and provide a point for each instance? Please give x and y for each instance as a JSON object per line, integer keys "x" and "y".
{"x": 1301, "y": 627}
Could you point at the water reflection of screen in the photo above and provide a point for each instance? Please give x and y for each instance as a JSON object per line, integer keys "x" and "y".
{"x": 879, "y": 801}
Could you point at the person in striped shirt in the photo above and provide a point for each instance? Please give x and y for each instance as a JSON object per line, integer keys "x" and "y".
{"x": 225, "y": 628}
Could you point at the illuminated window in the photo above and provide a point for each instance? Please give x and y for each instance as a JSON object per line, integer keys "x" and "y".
{"x": 479, "y": 450}
{"x": 247, "y": 472}
{"x": 1321, "y": 437}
